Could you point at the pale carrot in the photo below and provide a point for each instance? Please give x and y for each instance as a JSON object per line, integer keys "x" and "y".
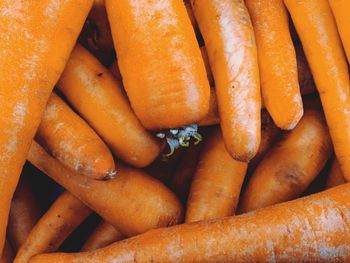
{"x": 317, "y": 30}
{"x": 98, "y": 97}
{"x": 36, "y": 39}
{"x": 164, "y": 74}
{"x": 310, "y": 229}
{"x": 335, "y": 176}
{"x": 290, "y": 166}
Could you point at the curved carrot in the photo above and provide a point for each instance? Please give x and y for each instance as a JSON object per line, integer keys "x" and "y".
{"x": 68, "y": 138}
{"x": 335, "y": 175}
{"x": 65, "y": 215}
{"x": 133, "y": 202}
{"x": 164, "y": 74}
{"x": 229, "y": 41}
{"x": 216, "y": 184}
{"x": 36, "y": 39}
{"x": 340, "y": 9}
{"x": 317, "y": 30}
{"x": 290, "y": 166}
{"x": 310, "y": 229}
{"x": 103, "y": 235}
{"x": 24, "y": 213}
{"x": 277, "y": 62}
{"x": 97, "y": 96}
{"x": 7, "y": 253}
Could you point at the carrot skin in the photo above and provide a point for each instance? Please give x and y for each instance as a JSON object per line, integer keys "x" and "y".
{"x": 67, "y": 137}
{"x": 65, "y": 215}
{"x": 317, "y": 30}
{"x": 335, "y": 175}
{"x": 164, "y": 74}
{"x": 98, "y": 97}
{"x": 310, "y": 229}
{"x": 111, "y": 199}
{"x": 285, "y": 173}
{"x": 216, "y": 184}
{"x": 30, "y": 64}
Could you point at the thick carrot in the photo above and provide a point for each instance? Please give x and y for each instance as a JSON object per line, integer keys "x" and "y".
{"x": 133, "y": 202}
{"x": 335, "y": 176}
{"x": 217, "y": 182}
{"x": 97, "y": 96}
{"x": 317, "y": 30}
{"x": 277, "y": 62}
{"x": 340, "y": 9}
{"x": 7, "y": 253}
{"x": 103, "y": 235}
{"x": 36, "y": 39}
{"x": 160, "y": 61}
{"x": 70, "y": 139}
{"x": 229, "y": 40}
{"x": 291, "y": 165}
{"x": 65, "y": 215}
{"x": 24, "y": 213}
{"x": 310, "y": 229}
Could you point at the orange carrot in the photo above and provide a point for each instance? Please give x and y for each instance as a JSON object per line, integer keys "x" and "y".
{"x": 290, "y": 166}
{"x": 317, "y": 30}
{"x": 7, "y": 253}
{"x": 229, "y": 41}
{"x": 97, "y": 96}
{"x": 103, "y": 235}
{"x": 277, "y": 62}
{"x": 340, "y": 10}
{"x": 36, "y": 39}
{"x": 65, "y": 215}
{"x": 133, "y": 202}
{"x": 335, "y": 175}
{"x": 69, "y": 138}
{"x": 216, "y": 184}
{"x": 164, "y": 74}
{"x": 24, "y": 213}
{"x": 310, "y": 229}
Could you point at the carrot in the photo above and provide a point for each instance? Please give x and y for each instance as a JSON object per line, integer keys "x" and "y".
{"x": 291, "y": 165}
{"x": 192, "y": 18}
{"x": 164, "y": 75}
{"x": 65, "y": 215}
{"x": 317, "y": 30}
{"x": 340, "y": 9}
{"x": 103, "y": 235}
{"x": 97, "y": 96}
{"x": 277, "y": 62}
{"x": 335, "y": 175}
{"x": 30, "y": 64}
{"x": 24, "y": 213}
{"x": 7, "y": 253}
{"x": 69, "y": 138}
{"x": 310, "y": 229}
{"x": 229, "y": 41}
{"x": 216, "y": 184}
{"x": 133, "y": 202}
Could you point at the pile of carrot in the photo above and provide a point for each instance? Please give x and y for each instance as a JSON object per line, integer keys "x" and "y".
{"x": 174, "y": 131}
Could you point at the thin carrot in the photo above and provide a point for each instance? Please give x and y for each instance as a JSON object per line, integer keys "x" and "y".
{"x": 70, "y": 139}
{"x": 97, "y": 96}
{"x": 317, "y": 30}
{"x": 340, "y": 9}
{"x": 103, "y": 235}
{"x": 277, "y": 62}
{"x": 216, "y": 184}
{"x": 310, "y": 229}
{"x": 65, "y": 215}
{"x": 335, "y": 176}
{"x": 160, "y": 61}
{"x": 7, "y": 253}
{"x": 36, "y": 39}
{"x": 291, "y": 165}
{"x": 229, "y": 40}
{"x": 24, "y": 213}
{"x": 133, "y": 202}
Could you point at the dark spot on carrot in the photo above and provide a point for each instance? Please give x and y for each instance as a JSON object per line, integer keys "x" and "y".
{"x": 99, "y": 74}
{"x": 59, "y": 216}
